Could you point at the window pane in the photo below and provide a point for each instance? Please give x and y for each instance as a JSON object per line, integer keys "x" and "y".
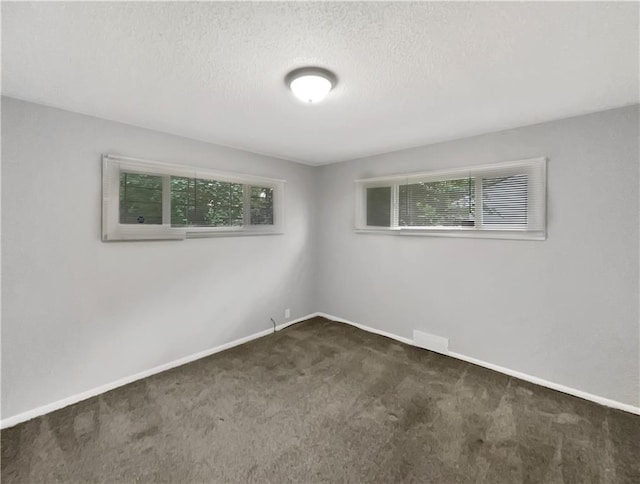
{"x": 379, "y": 206}
{"x": 261, "y": 206}
{"x": 447, "y": 203}
{"x": 205, "y": 203}
{"x": 505, "y": 201}
{"x": 183, "y": 199}
{"x": 140, "y": 199}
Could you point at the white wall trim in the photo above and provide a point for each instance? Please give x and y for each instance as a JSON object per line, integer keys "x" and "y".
{"x": 50, "y": 407}
{"x": 366, "y": 328}
{"x": 549, "y": 384}
{"x": 516, "y": 374}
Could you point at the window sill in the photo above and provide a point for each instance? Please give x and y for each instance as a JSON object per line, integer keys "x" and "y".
{"x": 201, "y": 234}
{"x": 462, "y": 232}
{"x": 173, "y": 233}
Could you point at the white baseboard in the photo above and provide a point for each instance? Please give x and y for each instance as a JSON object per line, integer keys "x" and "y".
{"x": 516, "y": 374}
{"x": 44, "y": 409}
{"x": 607, "y": 402}
{"x": 50, "y": 407}
{"x": 430, "y": 342}
{"x": 366, "y": 328}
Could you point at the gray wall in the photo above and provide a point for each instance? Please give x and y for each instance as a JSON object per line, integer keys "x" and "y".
{"x": 564, "y": 309}
{"x": 78, "y": 313}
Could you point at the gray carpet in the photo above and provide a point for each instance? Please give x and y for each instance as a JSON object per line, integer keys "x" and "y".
{"x": 324, "y": 402}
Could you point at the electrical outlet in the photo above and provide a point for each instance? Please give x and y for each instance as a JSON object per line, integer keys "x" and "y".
{"x": 287, "y": 313}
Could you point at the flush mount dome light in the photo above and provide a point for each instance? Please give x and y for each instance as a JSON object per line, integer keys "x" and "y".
{"x": 311, "y": 84}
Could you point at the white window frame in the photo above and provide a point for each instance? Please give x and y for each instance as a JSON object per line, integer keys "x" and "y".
{"x": 113, "y": 230}
{"x": 535, "y": 168}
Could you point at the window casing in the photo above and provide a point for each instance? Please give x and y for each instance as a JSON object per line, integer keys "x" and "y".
{"x": 502, "y": 200}
{"x": 145, "y": 200}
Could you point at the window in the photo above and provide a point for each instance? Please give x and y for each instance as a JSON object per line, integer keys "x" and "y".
{"x": 145, "y": 200}
{"x": 503, "y": 200}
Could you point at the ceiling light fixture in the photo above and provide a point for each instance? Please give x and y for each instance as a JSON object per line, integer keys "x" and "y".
{"x": 311, "y": 84}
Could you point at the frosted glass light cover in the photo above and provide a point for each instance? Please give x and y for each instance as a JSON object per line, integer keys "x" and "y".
{"x": 310, "y": 88}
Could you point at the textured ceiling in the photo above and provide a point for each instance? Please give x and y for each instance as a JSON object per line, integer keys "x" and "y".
{"x": 409, "y": 73}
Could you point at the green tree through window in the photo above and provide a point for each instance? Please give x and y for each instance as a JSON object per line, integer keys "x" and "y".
{"x": 206, "y": 203}
{"x": 261, "y": 206}
{"x": 140, "y": 199}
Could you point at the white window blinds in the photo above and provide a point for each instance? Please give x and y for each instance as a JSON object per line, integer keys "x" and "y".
{"x": 446, "y": 203}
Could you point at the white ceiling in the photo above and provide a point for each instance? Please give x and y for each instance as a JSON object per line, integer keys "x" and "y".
{"x": 409, "y": 73}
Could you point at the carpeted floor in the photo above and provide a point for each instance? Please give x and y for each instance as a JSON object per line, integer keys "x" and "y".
{"x": 324, "y": 402}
